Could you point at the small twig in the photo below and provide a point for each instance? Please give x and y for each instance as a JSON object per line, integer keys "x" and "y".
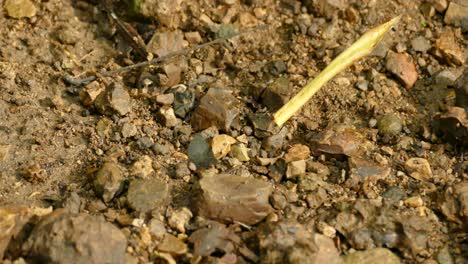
{"x": 79, "y": 82}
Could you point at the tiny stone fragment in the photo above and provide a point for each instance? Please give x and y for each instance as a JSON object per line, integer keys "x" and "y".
{"x": 167, "y": 117}
{"x": 108, "y": 181}
{"x": 217, "y": 108}
{"x": 420, "y": 44}
{"x": 115, "y": 99}
{"x": 221, "y": 145}
{"x": 145, "y": 195}
{"x": 296, "y": 168}
{"x": 448, "y": 50}
{"x": 200, "y": 152}
{"x": 129, "y": 130}
{"x": 419, "y": 169}
{"x": 389, "y": 125}
{"x": 20, "y": 8}
{"x": 403, "y": 67}
{"x": 173, "y": 245}
{"x": 178, "y": 219}
{"x": 143, "y": 167}
{"x": 240, "y": 152}
{"x": 234, "y": 198}
{"x": 297, "y": 152}
{"x": 277, "y": 94}
{"x": 90, "y": 92}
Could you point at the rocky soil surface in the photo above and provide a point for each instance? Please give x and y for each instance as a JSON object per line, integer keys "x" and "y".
{"x": 179, "y": 162}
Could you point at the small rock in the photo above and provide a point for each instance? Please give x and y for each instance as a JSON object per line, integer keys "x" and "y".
{"x": 217, "y": 108}
{"x": 165, "y": 12}
{"x": 317, "y": 167}
{"x": 161, "y": 149}
{"x": 221, "y": 145}
{"x": 363, "y": 85}
{"x": 163, "y": 43}
{"x": 326, "y": 229}
{"x": 143, "y": 167}
{"x": 172, "y": 74}
{"x": 414, "y": 201}
{"x": 156, "y": 228}
{"x": 420, "y": 44}
{"x": 63, "y": 237}
{"x": 214, "y": 237}
{"x": 234, "y": 198}
{"x": 326, "y": 8}
{"x": 172, "y": 245}
{"x": 72, "y": 203}
{"x": 419, "y": 169}
{"x": 184, "y": 101}
{"x": 90, "y": 92}
{"x": 389, "y": 125}
{"x": 20, "y": 8}
{"x": 371, "y": 256}
{"x": 115, "y": 99}
{"x": 277, "y": 94}
{"x": 129, "y": 130}
{"x": 145, "y": 195}
{"x": 108, "y": 181}
{"x": 427, "y": 10}
{"x": 362, "y": 172}
{"x": 453, "y": 125}
{"x": 275, "y": 141}
{"x": 297, "y": 152}
{"x": 448, "y": 50}
{"x": 167, "y": 117}
{"x": 263, "y": 124}
{"x": 181, "y": 170}
{"x": 165, "y": 99}
{"x": 338, "y": 140}
{"x": 178, "y": 219}
{"x": 403, "y": 67}
{"x": 200, "y": 152}
{"x": 144, "y": 143}
{"x": 12, "y": 221}
{"x": 456, "y": 15}
{"x": 296, "y": 168}
{"x": 193, "y": 37}
{"x": 439, "y": 5}
{"x": 240, "y": 152}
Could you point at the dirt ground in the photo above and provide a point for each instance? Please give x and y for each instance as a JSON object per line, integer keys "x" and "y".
{"x": 177, "y": 162}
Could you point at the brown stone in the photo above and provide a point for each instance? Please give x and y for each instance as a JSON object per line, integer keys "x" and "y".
{"x": 338, "y": 140}
{"x": 456, "y": 14}
{"x": 403, "y": 67}
{"x": 217, "y": 108}
{"x": 297, "y": 152}
{"x": 277, "y": 94}
{"x": 234, "y": 198}
{"x": 448, "y": 50}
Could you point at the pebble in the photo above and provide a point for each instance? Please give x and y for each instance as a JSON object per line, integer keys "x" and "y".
{"x": 20, "y": 8}
{"x": 276, "y": 94}
{"x": 165, "y": 99}
{"x": 371, "y": 256}
{"x": 217, "y": 108}
{"x": 129, "y": 130}
{"x": 156, "y": 228}
{"x": 326, "y": 229}
{"x": 439, "y": 5}
{"x": 419, "y": 169}
{"x": 90, "y": 92}
{"x": 363, "y": 171}
{"x": 403, "y": 67}
{"x": 221, "y": 145}
{"x": 263, "y": 124}
{"x": 213, "y": 237}
{"x": 448, "y": 50}
{"x": 420, "y": 44}
{"x": 317, "y": 167}
{"x": 276, "y": 141}
{"x": 240, "y": 152}
{"x": 193, "y": 37}
{"x": 142, "y": 168}
{"x": 338, "y": 140}
{"x": 362, "y": 85}
{"x": 456, "y": 15}
{"x": 230, "y": 198}
{"x": 182, "y": 170}
{"x": 389, "y": 125}
{"x": 161, "y": 149}
{"x": 172, "y": 245}
{"x": 179, "y": 218}
{"x": 414, "y": 201}
{"x": 63, "y": 237}
{"x": 114, "y": 99}
{"x": 200, "y": 152}
{"x": 296, "y": 168}
{"x": 164, "y": 42}
{"x": 145, "y": 195}
{"x": 167, "y": 116}
{"x": 144, "y": 143}
{"x": 184, "y": 101}
{"x": 297, "y": 152}
{"x": 108, "y": 181}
